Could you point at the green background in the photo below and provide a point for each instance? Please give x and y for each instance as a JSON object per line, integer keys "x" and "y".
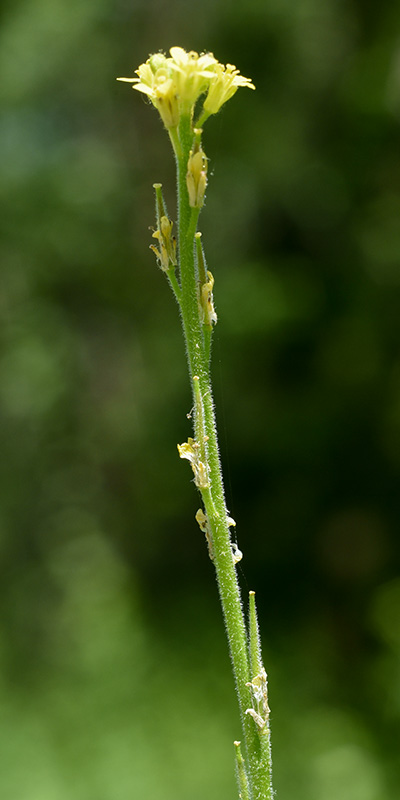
{"x": 115, "y": 680}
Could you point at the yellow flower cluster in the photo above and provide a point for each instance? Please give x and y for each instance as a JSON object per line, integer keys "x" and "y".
{"x": 175, "y": 83}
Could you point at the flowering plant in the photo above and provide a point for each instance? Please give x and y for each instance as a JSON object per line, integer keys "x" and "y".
{"x": 186, "y": 88}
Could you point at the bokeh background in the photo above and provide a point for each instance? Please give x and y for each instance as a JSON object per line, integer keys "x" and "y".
{"x": 115, "y": 680}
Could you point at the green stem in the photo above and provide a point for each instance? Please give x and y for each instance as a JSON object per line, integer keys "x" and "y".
{"x": 241, "y": 773}
{"x": 174, "y": 284}
{"x": 207, "y": 331}
{"x": 206, "y": 436}
{"x": 173, "y": 135}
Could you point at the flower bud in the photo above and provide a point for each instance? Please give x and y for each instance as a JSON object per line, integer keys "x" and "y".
{"x": 166, "y": 252}
{"x": 196, "y": 176}
{"x": 208, "y": 314}
{"x": 157, "y": 61}
{"x": 166, "y": 102}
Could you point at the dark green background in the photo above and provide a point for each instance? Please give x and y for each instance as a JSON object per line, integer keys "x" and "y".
{"x": 115, "y": 681}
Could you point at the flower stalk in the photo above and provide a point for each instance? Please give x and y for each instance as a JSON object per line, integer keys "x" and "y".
{"x": 175, "y": 85}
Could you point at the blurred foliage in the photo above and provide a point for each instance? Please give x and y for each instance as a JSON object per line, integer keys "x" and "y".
{"x": 115, "y": 680}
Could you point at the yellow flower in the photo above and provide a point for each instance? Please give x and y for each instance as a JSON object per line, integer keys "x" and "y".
{"x": 155, "y": 80}
{"x": 226, "y": 83}
{"x": 192, "y": 74}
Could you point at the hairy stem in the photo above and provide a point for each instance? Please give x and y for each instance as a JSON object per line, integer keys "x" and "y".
{"x": 198, "y": 348}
